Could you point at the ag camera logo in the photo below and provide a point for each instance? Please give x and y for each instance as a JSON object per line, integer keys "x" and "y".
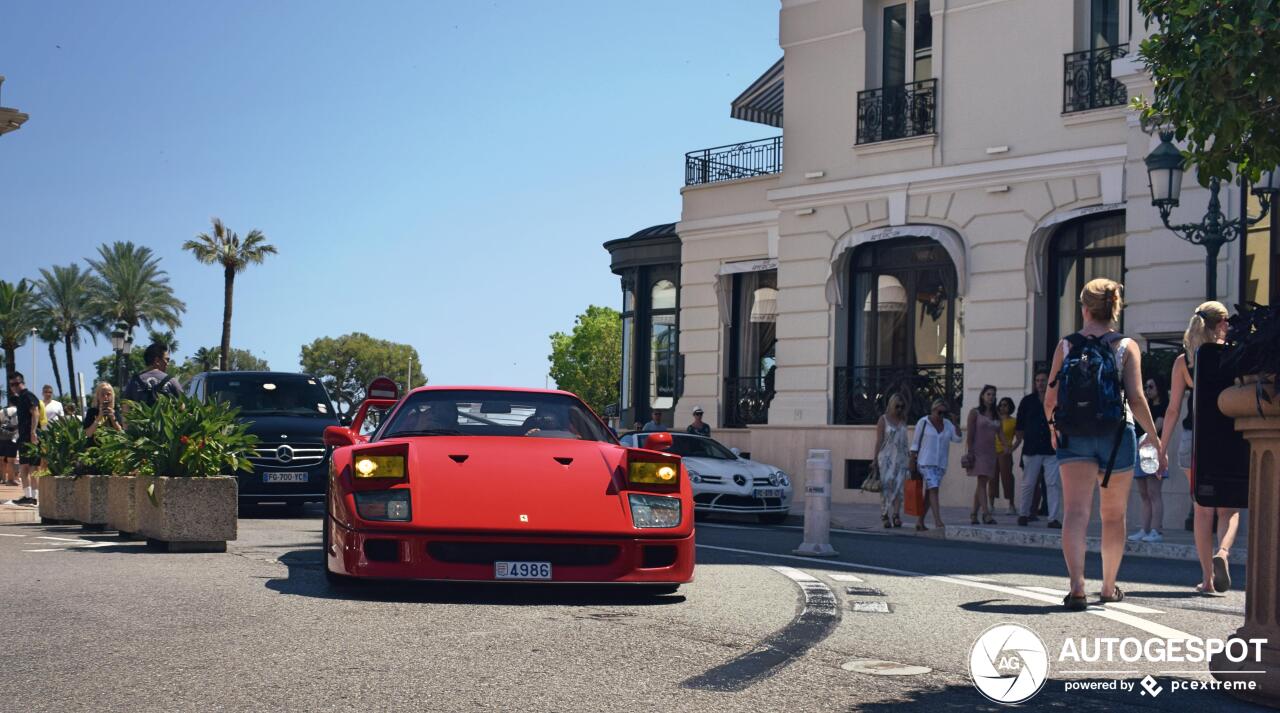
{"x": 1008, "y": 664}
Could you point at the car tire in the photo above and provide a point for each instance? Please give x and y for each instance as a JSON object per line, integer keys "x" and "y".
{"x": 773, "y": 518}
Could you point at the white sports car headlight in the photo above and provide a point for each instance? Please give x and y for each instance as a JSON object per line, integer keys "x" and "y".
{"x": 779, "y": 479}
{"x": 694, "y": 476}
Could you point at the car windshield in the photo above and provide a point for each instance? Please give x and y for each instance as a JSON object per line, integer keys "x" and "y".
{"x": 699, "y": 447}
{"x": 271, "y": 394}
{"x": 495, "y": 413}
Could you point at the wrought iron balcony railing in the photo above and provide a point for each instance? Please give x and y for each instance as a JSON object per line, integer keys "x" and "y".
{"x": 746, "y": 401}
{"x": 726, "y": 163}
{"x": 1088, "y": 84}
{"x": 862, "y": 392}
{"x": 898, "y": 112}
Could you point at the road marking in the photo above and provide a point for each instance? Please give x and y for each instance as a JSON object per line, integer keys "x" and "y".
{"x": 817, "y": 619}
{"x": 973, "y": 578}
{"x": 1123, "y": 606}
{"x": 870, "y": 607}
{"x": 62, "y": 539}
{"x": 94, "y": 544}
{"x": 845, "y": 578}
{"x": 1150, "y": 627}
{"x": 883, "y": 668}
{"x": 8, "y": 534}
{"x": 55, "y": 549}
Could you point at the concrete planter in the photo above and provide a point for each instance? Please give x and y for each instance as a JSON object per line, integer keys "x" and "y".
{"x": 122, "y": 505}
{"x": 90, "y": 501}
{"x": 57, "y": 499}
{"x": 1262, "y": 596}
{"x": 188, "y": 514}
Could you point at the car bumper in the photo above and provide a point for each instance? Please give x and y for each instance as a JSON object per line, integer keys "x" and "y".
{"x": 739, "y": 503}
{"x": 429, "y": 556}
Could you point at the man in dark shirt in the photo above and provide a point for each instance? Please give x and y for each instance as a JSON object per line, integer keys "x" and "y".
{"x": 28, "y": 406}
{"x": 1038, "y": 455}
{"x": 153, "y": 382}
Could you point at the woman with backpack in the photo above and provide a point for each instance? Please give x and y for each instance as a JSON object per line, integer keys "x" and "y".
{"x": 1208, "y": 325}
{"x": 984, "y": 433}
{"x": 1095, "y": 394}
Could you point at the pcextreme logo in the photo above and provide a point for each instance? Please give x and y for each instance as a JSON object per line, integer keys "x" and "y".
{"x": 1009, "y": 664}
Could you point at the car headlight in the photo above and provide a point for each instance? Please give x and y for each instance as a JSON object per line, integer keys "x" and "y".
{"x": 694, "y": 476}
{"x": 779, "y": 479}
{"x": 391, "y": 505}
{"x": 651, "y": 473}
{"x": 655, "y": 510}
{"x": 378, "y": 466}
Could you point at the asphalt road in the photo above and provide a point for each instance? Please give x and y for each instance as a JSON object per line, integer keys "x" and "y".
{"x": 93, "y": 624}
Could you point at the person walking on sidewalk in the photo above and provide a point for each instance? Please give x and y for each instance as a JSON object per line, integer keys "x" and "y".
{"x": 1208, "y": 325}
{"x": 980, "y": 458}
{"x": 28, "y": 406}
{"x": 891, "y": 458}
{"x": 1006, "y": 444}
{"x": 1039, "y": 459}
{"x": 929, "y": 452}
{"x": 9, "y": 444}
{"x": 1093, "y": 399}
{"x": 52, "y": 408}
{"x": 1150, "y": 486}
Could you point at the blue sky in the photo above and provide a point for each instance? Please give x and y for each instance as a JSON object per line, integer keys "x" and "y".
{"x": 436, "y": 173}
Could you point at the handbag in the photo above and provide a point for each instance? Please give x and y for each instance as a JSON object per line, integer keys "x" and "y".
{"x": 872, "y": 484}
{"x": 913, "y": 497}
{"x": 966, "y": 461}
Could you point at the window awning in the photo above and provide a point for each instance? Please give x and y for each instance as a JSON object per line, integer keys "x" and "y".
{"x": 761, "y": 103}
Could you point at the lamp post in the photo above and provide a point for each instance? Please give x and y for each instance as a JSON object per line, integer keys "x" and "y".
{"x": 121, "y": 343}
{"x": 1164, "y": 172}
{"x": 1267, "y": 189}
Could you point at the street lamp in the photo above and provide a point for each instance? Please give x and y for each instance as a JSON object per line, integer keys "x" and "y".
{"x": 1164, "y": 173}
{"x": 1267, "y": 189}
{"x": 121, "y": 343}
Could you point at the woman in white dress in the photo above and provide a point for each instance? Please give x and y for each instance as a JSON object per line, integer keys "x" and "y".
{"x": 891, "y": 459}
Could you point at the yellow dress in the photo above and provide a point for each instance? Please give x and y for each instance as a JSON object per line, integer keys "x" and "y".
{"x": 1007, "y": 426}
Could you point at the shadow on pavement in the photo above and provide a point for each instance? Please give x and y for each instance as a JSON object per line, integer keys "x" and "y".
{"x": 998, "y": 606}
{"x": 280, "y": 511}
{"x": 306, "y": 578}
{"x": 1054, "y": 697}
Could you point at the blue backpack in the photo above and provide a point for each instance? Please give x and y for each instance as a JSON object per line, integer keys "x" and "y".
{"x": 1091, "y": 399}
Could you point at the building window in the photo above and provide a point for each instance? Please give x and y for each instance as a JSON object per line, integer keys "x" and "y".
{"x": 752, "y": 353}
{"x": 662, "y": 349}
{"x": 904, "y": 331}
{"x": 1080, "y": 251}
{"x": 905, "y": 102}
{"x": 1104, "y": 23}
{"x": 628, "y": 345}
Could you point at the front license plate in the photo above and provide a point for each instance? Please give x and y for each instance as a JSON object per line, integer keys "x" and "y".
{"x": 284, "y": 477}
{"x": 768, "y": 492}
{"x": 522, "y": 570}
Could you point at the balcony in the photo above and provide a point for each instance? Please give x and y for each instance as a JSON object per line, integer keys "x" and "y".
{"x": 746, "y": 401}
{"x": 1087, "y": 82}
{"x": 728, "y": 163}
{"x": 898, "y": 112}
{"x": 862, "y": 392}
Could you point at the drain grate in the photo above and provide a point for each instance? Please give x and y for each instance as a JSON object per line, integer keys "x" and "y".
{"x": 863, "y": 591}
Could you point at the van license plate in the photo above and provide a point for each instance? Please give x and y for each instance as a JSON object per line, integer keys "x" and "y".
{"x": 284, "y": 477}
{"x": 522, "y": 570}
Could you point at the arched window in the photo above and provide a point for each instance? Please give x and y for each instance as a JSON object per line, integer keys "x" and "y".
{"x": 1081, "y": 250}
{"x": 903, "y": 330}
{"x": 662, "y": 350}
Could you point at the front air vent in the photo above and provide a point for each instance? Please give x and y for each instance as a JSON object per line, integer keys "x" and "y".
{"x": 459, "y": 457}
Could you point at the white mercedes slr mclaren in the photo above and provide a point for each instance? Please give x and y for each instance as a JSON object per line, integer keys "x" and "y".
{"x": 724, "y": 482}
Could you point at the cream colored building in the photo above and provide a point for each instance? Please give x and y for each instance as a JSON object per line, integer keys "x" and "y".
{"x": 10, "y": 119}
{"x": 954, "y": 171}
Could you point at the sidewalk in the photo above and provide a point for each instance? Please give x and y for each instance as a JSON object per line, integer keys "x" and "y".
{"x": 13, "y": 514}
{"x": 1178, "y": 544}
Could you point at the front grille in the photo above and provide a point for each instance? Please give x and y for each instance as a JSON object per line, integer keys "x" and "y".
{"x": 288, "y": 455}
{"x": 566, "y": 555}
{"x": 658, "y": 556}
{"x": 759, "y": 481}
{"x": 713, "y": 479}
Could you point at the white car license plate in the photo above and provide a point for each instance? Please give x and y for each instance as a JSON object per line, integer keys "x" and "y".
{"x": 768, "y": 492}
{"x": 284, "y": 477}
{"x": 522, "y": 570}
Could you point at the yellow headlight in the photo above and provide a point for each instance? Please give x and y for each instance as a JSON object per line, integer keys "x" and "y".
{"x": 379, "y": 467}
{"x": 653, "y": 473}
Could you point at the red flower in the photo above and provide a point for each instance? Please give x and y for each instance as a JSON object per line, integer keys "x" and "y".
{"x": 184, "y": 440}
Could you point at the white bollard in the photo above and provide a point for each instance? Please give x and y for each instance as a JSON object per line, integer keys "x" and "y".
{"x": 817, "y": 506}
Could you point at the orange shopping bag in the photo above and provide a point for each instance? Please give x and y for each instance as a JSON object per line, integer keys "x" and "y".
{"x": 913, "y": 497}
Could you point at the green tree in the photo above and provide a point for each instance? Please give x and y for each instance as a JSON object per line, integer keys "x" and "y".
{"x": 225, "y": 248}
{"x": 105, "y": 368}
{"x": 207, "y": 359}
{"x": 1217, "y": 81}
{"x": 133, "y": 289}
{"x": 17, "y": 317}
{"x": 66, "y": 307}
{"x": 348, "y": 363}
{"x": 588, "y": 361}
{"x": 51, "y": 337}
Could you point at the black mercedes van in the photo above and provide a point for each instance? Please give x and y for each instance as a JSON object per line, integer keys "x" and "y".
{"x": 288, "y": 413}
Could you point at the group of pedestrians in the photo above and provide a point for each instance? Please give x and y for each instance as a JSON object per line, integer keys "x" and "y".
{"x": 27, "y": 415}
{"x": 1078, "y": 431}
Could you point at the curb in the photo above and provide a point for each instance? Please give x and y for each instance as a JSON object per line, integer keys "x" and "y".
{"x": 1053, "y": 540}
{"x": 18, "y": 516}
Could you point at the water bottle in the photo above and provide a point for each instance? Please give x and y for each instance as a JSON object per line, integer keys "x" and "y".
{"x": 1148, "y": 458}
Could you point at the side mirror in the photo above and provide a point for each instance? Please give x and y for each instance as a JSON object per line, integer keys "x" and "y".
{"x": 658, "y": 441}
{"x": 736, "y": 451}
{"x": 338, "y": 437}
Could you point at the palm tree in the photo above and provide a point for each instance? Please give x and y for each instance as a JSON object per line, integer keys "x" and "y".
{"x": 225, "y": 248}
{"x": 17, "y": 316}
{"x": 132, "y": 289}
{"x": 66, "y": 303}
{"x": 50, "y": 335}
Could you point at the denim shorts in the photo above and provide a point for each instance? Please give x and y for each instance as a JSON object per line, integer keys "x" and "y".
{"x": 1098, "y": 449}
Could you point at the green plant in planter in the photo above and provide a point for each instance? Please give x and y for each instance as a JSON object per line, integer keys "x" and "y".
{"x": 1253, "y": 346}
{"x": 61, "y": 447}
{"x": 179, "y": 436}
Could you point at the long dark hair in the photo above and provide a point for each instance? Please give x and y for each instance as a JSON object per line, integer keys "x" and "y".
{"x": 982, "y": 407}
{"x": 1013, "y": 409}
{"x": 1162, "y": 390}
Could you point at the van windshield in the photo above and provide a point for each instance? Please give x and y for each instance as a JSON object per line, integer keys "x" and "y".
{"x": 271, "y": 394}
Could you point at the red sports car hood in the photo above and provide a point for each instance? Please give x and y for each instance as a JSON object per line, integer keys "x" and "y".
{"x": 517, "y": 485}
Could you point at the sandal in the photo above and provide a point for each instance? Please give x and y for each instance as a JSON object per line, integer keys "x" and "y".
{"x": 988, "y": 520}
{"x": 897, "y": 521}
{"x": 885, "y": 519}
{"x": 973, "y": 518}
{"x": 1208, "y": 592}
{"x": 1221, "y": 574}
{"x": 1116, "y": 596}
{"x": 1075, "y": 602}
{"x": 921, "y": 528}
